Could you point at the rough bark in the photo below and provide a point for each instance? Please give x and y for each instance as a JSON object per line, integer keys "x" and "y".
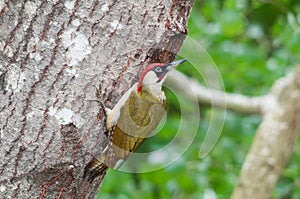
{"x": 52, "y": 56}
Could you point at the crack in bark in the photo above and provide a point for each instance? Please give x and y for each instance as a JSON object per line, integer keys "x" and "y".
{"x": 114, "y": 31}
{"x": 73, "y": 11}
{"x": 19, "y": 24}
{"x": 50, "y": 18}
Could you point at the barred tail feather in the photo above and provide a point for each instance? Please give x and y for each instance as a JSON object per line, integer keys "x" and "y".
{"x": 94, "y": 169}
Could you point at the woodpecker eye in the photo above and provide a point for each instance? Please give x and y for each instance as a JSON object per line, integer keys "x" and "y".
{"x": 158, "y": 69}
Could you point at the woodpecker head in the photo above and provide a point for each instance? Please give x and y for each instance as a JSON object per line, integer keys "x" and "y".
{"x": 156, "y": 73}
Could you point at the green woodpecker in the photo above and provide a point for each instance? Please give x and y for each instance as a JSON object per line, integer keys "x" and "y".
{"x": 133, "y": 118}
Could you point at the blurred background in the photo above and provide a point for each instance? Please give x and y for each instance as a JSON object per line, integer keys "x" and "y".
{"x": 253, "y": 43}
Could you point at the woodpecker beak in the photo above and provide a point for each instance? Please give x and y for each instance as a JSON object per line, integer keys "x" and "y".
{"x": 173, "y": 64}
{"x": 170, "y": 67}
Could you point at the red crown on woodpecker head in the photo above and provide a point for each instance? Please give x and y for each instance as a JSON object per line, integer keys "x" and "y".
{"x": 161, "y": 69}
{"x": 145, "y": 71}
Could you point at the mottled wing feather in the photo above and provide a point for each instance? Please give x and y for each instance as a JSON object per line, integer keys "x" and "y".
{"x": 139, "y": 117}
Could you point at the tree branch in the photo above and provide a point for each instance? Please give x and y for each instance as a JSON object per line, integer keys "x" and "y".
{"x": 234, "y": 102}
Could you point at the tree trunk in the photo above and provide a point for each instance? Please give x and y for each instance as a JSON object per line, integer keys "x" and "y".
{"x": 274, "y": 141}
{"x": 275, "y": 138}
{"x": 53, "y": 55}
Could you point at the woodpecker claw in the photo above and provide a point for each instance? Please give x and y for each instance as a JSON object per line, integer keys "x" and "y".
{"x": 99, "y": 99}
{"x": 107, "y": 110}
{"x": 98, "y": 91}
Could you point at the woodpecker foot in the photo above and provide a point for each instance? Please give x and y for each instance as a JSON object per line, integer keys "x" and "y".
{"x": 99, "y": 99}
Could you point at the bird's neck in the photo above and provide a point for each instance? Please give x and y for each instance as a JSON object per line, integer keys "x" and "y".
{"x": 154, "y": 89}
{"x": 149, "y": 83}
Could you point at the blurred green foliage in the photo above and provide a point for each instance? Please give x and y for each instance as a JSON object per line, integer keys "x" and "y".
{"x": 252, "y": 43}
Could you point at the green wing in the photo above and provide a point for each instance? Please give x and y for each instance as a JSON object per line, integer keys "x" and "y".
{"x": 138, "y": 118}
